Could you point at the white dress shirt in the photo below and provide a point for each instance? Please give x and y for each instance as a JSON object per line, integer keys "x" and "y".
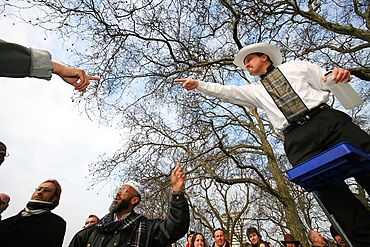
{"x": 304, "y": 77}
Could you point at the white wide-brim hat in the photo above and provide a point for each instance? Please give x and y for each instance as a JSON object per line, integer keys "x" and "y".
{"x": 266, "y": 48}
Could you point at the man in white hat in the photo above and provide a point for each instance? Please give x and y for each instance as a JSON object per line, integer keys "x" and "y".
{"x": 294, "y": 96}
{"x": 122, "y": 226}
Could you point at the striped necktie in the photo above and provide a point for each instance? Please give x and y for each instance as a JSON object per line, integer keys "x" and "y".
{"x": 284, "y": 96}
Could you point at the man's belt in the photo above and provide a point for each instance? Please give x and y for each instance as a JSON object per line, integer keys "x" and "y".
{"x": 304, "y": 119}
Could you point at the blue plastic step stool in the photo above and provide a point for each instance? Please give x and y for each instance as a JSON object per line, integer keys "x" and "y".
{"x": 338, "y": 163}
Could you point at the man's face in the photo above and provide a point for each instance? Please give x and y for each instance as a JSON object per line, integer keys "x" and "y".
{"x": 318, "y": 239}
{"x": 45, "y": 192}
{"x": 4, "y": 202}
{"x": 2, "y": 153}
{"x": 122, "y": 200}
{"x": 340, "y": 241}
{"x": 253, "y": 237}
{"x": 90, "y": 221}
{"x": 255, "y": 64}
{"x": 219, "y": 237}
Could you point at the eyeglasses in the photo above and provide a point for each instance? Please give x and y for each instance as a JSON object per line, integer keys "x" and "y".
{"x": 123, "y": 191}
{"x": 43, "y": 189}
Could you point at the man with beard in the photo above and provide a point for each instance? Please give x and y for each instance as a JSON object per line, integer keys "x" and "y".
{"x": 122, "y": 226}
{"x": 36, "y": 225}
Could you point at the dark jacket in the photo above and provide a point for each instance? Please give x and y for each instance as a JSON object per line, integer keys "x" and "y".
{"x": 20, "y": 61}
{"x": 157, "y": 233}
{"x": 258, "y": 244}
{"x": 227, "y": 244}
{"x": 43, "y": 230}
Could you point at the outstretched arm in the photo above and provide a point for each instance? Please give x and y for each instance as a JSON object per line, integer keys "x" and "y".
{"x": 175, "y": 226}
{"x": 18, "y": 61}
{"x": 188, "y": 83}
{"x": 74, "y": 76}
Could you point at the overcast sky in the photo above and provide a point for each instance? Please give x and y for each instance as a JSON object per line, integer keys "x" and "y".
{"x": 48, "y": 138}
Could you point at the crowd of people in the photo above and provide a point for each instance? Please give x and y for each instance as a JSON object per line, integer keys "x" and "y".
{"x": 293, "y": 95}
{"x": 196, "y": 239}
{"x": 36, "y": 225}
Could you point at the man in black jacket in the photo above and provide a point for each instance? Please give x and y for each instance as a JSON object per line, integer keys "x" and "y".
{"x": 19, "y": 61}
{"x": 122, "y": 226}
{"x": 36, "y": 225}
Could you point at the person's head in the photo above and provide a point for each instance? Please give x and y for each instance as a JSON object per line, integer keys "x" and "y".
{"x": 92, "y": 219}
{"x": 2, "y": 152}
{"x": 316, "y": 238}
{"x": 197, "y": 240}
{"x": 4, "y": 202}
{"x": 219, "y": 236}
{"x": 253, "y": 235}
{"x": 189, "y": 237}
{"x": 256, "y": 58}
{"x": 337, "y": 237}
{"x": 127, "y": 197}
{"x": 48, "y": 191}
{"x": 289, "y": 241}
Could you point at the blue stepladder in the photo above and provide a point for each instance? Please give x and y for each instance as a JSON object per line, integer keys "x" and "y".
{"x": 338, "y": 163}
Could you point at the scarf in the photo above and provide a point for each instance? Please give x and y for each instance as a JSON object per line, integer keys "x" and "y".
{"x": 134, "y": 222}
{"x": 37, "y": 207}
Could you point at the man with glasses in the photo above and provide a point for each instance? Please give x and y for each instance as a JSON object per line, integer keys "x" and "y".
{"x": 4, "y": 202}
{"x": 36, "y": 225}
{"x": 122, "y": 226}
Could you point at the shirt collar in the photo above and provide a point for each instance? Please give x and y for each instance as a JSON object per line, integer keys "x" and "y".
{"x": 269, "y": 69}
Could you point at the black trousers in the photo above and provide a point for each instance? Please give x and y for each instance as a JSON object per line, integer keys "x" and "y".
{"x": 322, "y": 132}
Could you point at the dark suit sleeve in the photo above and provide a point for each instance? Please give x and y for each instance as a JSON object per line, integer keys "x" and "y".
{"x": 165, "y": 232}
{"x": 18, "y": 61}
{"x": 57, "y": 230}
{"x": 15, "y": 60}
